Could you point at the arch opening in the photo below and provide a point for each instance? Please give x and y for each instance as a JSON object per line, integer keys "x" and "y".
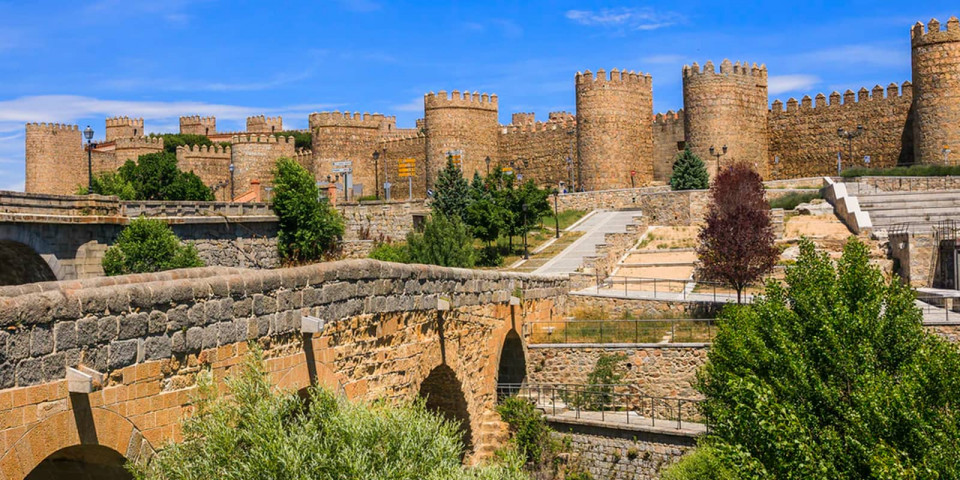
{"x": 444, "y": 395}
{"x": 22, "y": 265}
{"x": 512, "y": 371}
{"x": 82, "y": 462}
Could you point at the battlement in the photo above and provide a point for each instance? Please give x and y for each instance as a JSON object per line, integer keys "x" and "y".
{"x": 668, "y": 118}
{"x": 197, "y": 125}
{"x": 586, "y": 77}
{"x": 348, "y": 119}
{"x": 848, "y": 98}
{"x": 264, "y": 124}
{"x": 51, "y": 127}
{"x": 139, "y": 142}
{"x": 560, "y": 116}
{"x": 457, "y": 100}
{"x": 253, "y": 138}
{"x": 538, "y": 126}
{"x": 125, "y": 122}
{"x": 726, "y": 68}
{"x": 390, "y": 143}
{"x": 198, "y": 120}
{"x": 933, "y": 34}
{"x": 522, "y": 118}
{"x": 205, "y": 150}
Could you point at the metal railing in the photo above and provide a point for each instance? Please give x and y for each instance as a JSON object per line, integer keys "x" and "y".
{"x": 613, "y": 403}
{"x": 935, "y": 307}
{"x": 676, "y": 330}
{"x": 672, "y": 289}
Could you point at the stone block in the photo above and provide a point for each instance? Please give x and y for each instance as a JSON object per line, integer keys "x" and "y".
{"x": 311, "y": 297}
{"x": 157, "y": 322}
{"x": 197, "y": 315}
{"x": 227, "y": 333}
{"x": 178, "y": 342}
{"x": 29, "y": 372}
{"x": 118, "y": 301}
{"x": 263, "y": 305}
{"x": 133, "y": 325}
{"x": 226, "y": 309}
{"x": 123, "y": 353}
{"x": 107, "y": 329}
{"x": 157, "y": 348}
{"x": 210, "y": 334}
{"x": 7, "y": 375}
{"x": 41, "y": 341}
{"x": 242, "y": 308}
{"x": 178, "y": 318}
{"x": 194, "y": 339}
{"x": 54, "y": 367}
{"x": 65, "y": 336}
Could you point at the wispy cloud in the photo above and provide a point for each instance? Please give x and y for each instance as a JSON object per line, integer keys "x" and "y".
{"x": 875, "y": 55}
{"x": 777, "y": 84}
{"x": 625, "y": 18}
{"x": 361, "y": 6}
{"x": 415, "y": 105}
{"x": 181, "y": 85}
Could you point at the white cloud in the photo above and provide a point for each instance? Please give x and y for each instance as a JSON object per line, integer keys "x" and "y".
{"x": 415, "y": 105}
{"x": 777, "y": 84}
{"x": 179, "y": 85}
{"x": 625, "y": 18}
{"x": 884, "y": 56}
{"x": 16, "y": 186}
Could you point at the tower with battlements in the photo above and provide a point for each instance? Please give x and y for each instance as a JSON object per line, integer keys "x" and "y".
{"x": 264, "y": 124}
{"x": 936, "y": 86}
{"x": 726, "y": 107}
{"x": 349, "y": 137}
{"x": 55, "y": 159}
{"x": 465, "y": 123}
{"x": 197, "y": 125}
{"x": 614, "y": 129}
{"x": 124, "y": 127}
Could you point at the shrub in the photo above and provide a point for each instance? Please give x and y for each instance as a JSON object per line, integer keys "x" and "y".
{"x": 301, "y": 139}
{"x": 529, "y": 431}
{"x": 390, "y": 252}
{"x": 792, "y": 199}
{"x": 111, "y": 183}
{"x": 259, "y": 433}
{"x": 444, "y": 241}
{"x": 148, "y": 245}
{"x": 703, "y": 463}
{"x": 489, "y": 256}
{"x": 689, "y": 172}
{"x": 910, "y": 171}
{"x": 155, "y": 176}
{"x": 309, "y": 227}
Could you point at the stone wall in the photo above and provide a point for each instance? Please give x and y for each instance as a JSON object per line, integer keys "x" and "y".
{"x": 211, "y": 164}
{"x": 914, "y": 257}
{"x": 545, "y": 147}
{"x": 132, "y": 148}
{"x": 381, "y": 221}
{"x": 466, "y": 122}
{"x": 405, "y": 147}
{"x": 124, "y": 127}
{"x": 911, "y": 184}
{"x": 255, "y": 156}
{"x": 616, "y": 307}
{"x": 804, "y": 141}
{"x": 197, "y": 125}
{"x": 54, "y": 159}
{"x": 339, "y": 137}
{"x": 614, "y": 246}
{"x": 668, "y": 137}
{"x": 613, "y": 454}
{"x": 252, "y": 245}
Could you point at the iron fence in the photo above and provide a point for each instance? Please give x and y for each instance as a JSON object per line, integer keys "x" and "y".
{"x": 677, "y": 330}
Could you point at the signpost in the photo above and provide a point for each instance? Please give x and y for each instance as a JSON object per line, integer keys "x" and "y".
{"x": 346, "y": 168}
{"x": 407, "y": 167}
{"x": 456, "y": 156}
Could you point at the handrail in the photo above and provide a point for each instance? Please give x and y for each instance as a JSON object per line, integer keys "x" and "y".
{"x": 659, "y": 331}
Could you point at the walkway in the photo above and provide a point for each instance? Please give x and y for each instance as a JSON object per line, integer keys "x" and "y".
{"x": 685, "y": 296}
{"x": 595, "y": 227}
{"x": 627, "y": 420}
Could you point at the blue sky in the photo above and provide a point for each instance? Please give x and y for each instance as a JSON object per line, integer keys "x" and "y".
{"x": 78, "y": 62}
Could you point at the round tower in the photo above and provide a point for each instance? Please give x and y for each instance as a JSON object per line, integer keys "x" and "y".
{"x": 936, "y": 91}
{"x": 55, "y": 159}
{"x": 726, "y": 108}
{"x": 341, "y": 137}
{"x": 467, "y": 124}
{"x": 614, "y": 129}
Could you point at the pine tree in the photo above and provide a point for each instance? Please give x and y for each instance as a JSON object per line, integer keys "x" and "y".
{"x": 689, "y": 172}
{"x": 452, "y": 192}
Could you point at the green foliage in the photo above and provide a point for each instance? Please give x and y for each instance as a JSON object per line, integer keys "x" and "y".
{"x": 259, "y": 433}
{"x": 489, "y": 256}
{"x": 301, "y": 139}
{"x": 703, "y": 463}
{"x": 832, "y": 375}
{"x": 689, "y": 172}
{"x": 567, "y": 217}
{"x": 390, "y": 252}
{"x": 444, "y": 241}
{"x": 451, "y": 192}
{"x": 911, "y": 171}
{"x": 155, "y": 176}
{"x": 173, "y": 140}
{"x": 529, "y": 431}
{"x": 309, "y": 227}
{"x": 148, "y": 245}
{"x": 598, "y": 392}
{"x": 484, "y": 214}
{"x": 792, "y": 199}
{"x": 110, "y": 183}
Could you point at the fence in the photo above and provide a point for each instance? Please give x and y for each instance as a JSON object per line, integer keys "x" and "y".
{"x": 615, "y": 403}
{"x": 680, "y": 330}
{"x": 672, "y": 289}
{"x": 938, "y": 307}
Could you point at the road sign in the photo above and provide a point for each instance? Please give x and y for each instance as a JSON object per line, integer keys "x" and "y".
{"x": 343, "y": 163}
{"x": 507, "y": 170}
{"x": 343, "y": 170}
{"x": 407, "y": 167}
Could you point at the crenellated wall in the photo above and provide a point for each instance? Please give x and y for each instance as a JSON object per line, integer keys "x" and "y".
{"x": 254, "y": 157}
{"x": 466, "y": 122}
{"x": 210, "y": 163}
{"x": 197, "y": 125}
{"x": 350, "y": 137}
{"x": 667, "y": 140}
{"x": 264, "y": 124}
{"x": 539, "y": 150}
{"x": 124, "y": 127}
{"x": 395, "y": 149}
{"x": 804, "y": 140}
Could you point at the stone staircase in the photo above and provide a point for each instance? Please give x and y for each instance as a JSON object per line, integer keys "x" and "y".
{"x": 917, "y": 212}
{"x": 492, "y": 434}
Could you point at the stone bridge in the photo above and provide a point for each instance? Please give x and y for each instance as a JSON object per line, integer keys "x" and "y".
{"x": 133, "y": 345}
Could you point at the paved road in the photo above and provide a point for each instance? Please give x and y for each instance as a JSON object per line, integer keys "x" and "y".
{"x": 595, "y": 227}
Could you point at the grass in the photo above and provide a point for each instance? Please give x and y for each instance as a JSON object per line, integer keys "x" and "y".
{"x": 621, "y": 331}
{"x": 792, "y": 199}
{"x": 911, "y": 171}
{"x": 567, "y": 218}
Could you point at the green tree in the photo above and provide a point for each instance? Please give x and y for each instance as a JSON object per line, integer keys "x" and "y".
{"x": 155, "y": 176}
{"x": 259, "y": 433}
{"x": 308, "y": 227}
{"x": 832, "y": 376}
{"x": 390, "y": 252}
{"x": 689, "y": 172}
{"x": 111, "y": 183}
{"x": 484, "y": 214}
{"x": 301, "y": 139}
{"x": 451, "y": 192}
{"x": 148, "y": 245}
{"x": 528, "y": 205}
{"x": 444, "y": 241}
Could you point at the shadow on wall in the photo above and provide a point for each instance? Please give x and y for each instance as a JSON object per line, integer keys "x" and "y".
{"x": 20, "y": 264}
{"x": 444, "y": 395}
{"x": 82, "y": 462}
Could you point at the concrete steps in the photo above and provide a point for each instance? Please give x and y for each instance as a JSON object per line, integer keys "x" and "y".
{"x": 920, "y": 211}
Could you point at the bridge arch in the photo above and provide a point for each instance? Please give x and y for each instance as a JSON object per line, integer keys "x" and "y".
{"x": 82, "y": 462}
{"x": 22, "y": 264}
{"x": 21, "y": 241}
{"x": 91, "y": 437}
{"x": 512, "y": 369}
{"x": 444, "y": 395}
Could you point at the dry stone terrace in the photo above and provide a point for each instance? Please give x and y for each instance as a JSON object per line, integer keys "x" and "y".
{"x": 388, "y": 331}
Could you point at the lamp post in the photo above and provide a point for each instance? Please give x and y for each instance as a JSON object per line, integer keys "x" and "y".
{"x": 633, "y": 173}
{"x": 376, "y": 173}
{"x": 526, "y": 254}
{"x": 487, "y": 160}
{"x": 946, "y": 154}
{"x": 573, "y": 186}
{"x": 713, "y": 153}
{"x": 849, "y": 136}
{"x": 88, "y": 134}
{"x": 556, "y": 211}
{"x": 232, "y": 194}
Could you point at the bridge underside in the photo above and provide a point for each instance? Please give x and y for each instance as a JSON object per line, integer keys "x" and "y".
{"x": 21, "y": 264}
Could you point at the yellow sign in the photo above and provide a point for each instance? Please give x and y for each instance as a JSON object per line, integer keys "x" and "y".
{"x": 507, "y": 170}
{"x": 407, "y": 167}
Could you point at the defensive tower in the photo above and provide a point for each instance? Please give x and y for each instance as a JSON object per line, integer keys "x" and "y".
{"x": 124, "y": 127}
{"x": 936, "y": 84}
{"x": 54, "y": 158}
{"x": 461, "y": 122}
{"x": 197, "y": 125}
{"x": 729, "y": 108}
{"x": 264, "y": 124}
{"x": 614, "y": 129}
{"x": 339, "y": 137}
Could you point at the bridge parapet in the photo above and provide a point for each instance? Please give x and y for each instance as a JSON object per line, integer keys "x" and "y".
{"x": 48, "y": 204}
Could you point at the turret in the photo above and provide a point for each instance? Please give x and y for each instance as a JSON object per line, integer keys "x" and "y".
{"x": 197, "y": 125}
{"x": 466, "y": 123}
{"x": 936, "y": 84}
{"x": 55, "y": 160}
{"x": 124, "y": 127}
{"x": 264, "y": 124}
{"x": 345, "y": 136}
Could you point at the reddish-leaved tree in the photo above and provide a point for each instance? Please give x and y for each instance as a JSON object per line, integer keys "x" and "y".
{"x": 736, "y": 243}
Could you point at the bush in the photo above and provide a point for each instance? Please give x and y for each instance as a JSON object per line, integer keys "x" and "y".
{"x": 489, "y": 256}
{"x": 309, "y": 227}
{"x": 301, "y": 139}
{"x": 390, "y": 252}
{"x": 259, "y": 433}
{"x": 911, "y": 171}
{"x": 110, "y": 183}
{"x": 148, "y": 245}
{"x": 792, "y": 199}
{"x": 703, "y": 463}
{"x": 444, "y": 241}
{"x": 689, "y": 172}
{"x": 155, "y": 176}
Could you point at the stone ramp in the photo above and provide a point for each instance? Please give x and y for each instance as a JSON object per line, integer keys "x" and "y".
{"x": 917, "y": 212}
{"x": 595, "y": 229}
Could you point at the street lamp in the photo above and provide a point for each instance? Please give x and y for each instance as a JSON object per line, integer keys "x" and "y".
{"x": 488, "y": 165}
{"x": 232, "y": 194}
{"x": 556, "y": 211}
{"x": 376, "y": 173}
{"x": 849, "y": 136}
{"x": 88, "y": 134}
{"x": 526, "y": 253}
{"x": 946, "y": 153}
{"x": 713, "y": 153}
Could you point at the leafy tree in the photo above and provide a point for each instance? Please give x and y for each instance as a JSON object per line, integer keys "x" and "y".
{"x": 451, "y": 192}
{"x": 528, "y": 204}
{"x": 111, "y": 183}
{"x": 831, "y": 375}
{"x": 155, "y": 176}
{"x": 390, "y": 252}
{"x": 302, "y": 139}
{"x": 148, "y": 245}
{"x": 259, "y": 433}
{"x": 529, "y": 431}
{"x": 689, "y": 172}
{"x": 445, "y": 241}
{"x": 484, "y": 214}
{"x": 736, "y": 243}
{"x": 309, "y": 227}
{"x": 173, "y": 140}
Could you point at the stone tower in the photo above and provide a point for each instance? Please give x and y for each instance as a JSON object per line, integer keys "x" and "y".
{"x": 467, "y": 123}
{"x": 197, "y": 125}
{"x": 727, "y": 108}
{"x": 614, "y": 129}
{"x": 254, "y": 158}
{"x": 124, "y": 127}
{"x": 936, "y": 91}
{"x": 55, "y": 159}
{"x": 339, "y": 137}
{"x": 264, "y": 124}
